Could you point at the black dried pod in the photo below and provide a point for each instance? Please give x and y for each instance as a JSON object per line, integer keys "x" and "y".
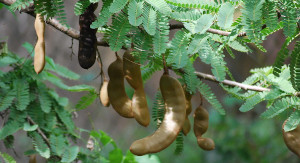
{"x": 87, "y": 38}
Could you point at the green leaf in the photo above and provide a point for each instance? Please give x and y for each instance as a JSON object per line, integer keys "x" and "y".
{"x": 129, "y": 158}
{"x": 161, "y": 6}
{"x": 10, "y": 128}
{"x": 65, "y": 117}
{"x": 252, "y": 101}
{"x": 39, "y": 145}
{"x": 86, "y": 100}
{"x": 293, "y": 121}
{"x": 178, "y": 56}
{"x": 58, "y": 144}
{"x": 117, "y": 5}
{"x": 28, "y": 127}
{"x": 44, "y": 98}
{"x": 225, "y": 15}
{"x": 7, "y": 158}
{"x": 115, "y": 155}
{"x": 70, "y": 154}
{"x": 278, "y": 107}
{"x": 149, "y": 20}
{"x": 81, "y": 6}
{"x": 196, "y": 43}
{"x": 7, "y": 99}
{"x": 117, "y": 32}
{"x": 205, "y": 90}
{"x": 135, "y": 10}
{"x": 104, "y": 15}
{"x": 161, "y": 36}
{"x": 179, "y": 144}
{"x": 61, "y": 70}
{"x": 22, "y": 94}
{"x": 204, "y": 23}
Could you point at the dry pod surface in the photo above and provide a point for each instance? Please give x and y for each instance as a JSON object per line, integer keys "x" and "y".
{"x": 87, "y": 38}
{"x": 292, "y": 139}
{"x": 39, "y": 49}
{"x": 172, "y": 123}
{"x": 201, "y": 118}
{"x": 103, "y": 93}
{"x": 187, "y": 125}
{"x": 116, "y": 89}
{"x": 132, "y": 72}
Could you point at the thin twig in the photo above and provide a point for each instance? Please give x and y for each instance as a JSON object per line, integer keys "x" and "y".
{"x": 40, "y": 132}
{"x": 231, "y": 83}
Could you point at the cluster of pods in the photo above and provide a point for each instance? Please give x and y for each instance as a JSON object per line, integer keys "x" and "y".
{"x": 177, "y": 106}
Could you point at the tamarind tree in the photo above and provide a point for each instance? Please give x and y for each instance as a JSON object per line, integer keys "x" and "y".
{"x": 205, "y": 32}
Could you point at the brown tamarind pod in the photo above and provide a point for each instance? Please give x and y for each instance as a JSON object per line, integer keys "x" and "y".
{"x": 187, "y": 125}
{"x": 32, "y": 158}
{"x": 171, "y": 125}
{"x": 201, "y": 118}
{"x": 87, "y": 38}
{"x": 104, "y": 99}
{"x": 292, "y": 139}
{"x": 132, "y": 72}
{"x": 116, "y": 89}
{"x": 39, "y": 49}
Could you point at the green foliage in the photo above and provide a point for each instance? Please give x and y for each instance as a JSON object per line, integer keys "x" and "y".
{"x": 7, "y": 158}
{"x": 178, "y": 56}
{"x": 117, "y": 5}
{"x": 225, "y": 17}
{"x": 158, "y": 109}
{"x": 205, "y": 90}
{"x": 295, "y": 67}
{"x": 117, "y": 32}
{"x": 34, "y": 108}
{"x": 104, "y": 15}
{"x": 135, "y": 10}
{"x": 179, "y": 144}
{"x": 149, "y": 20}
{"x": 86, "y": 100}
{"x": 161, "y": 36}
{"x": 20, "y": 4}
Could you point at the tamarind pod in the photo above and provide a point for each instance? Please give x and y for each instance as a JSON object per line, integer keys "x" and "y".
{"x": 116, "y": 89}
{"x": 292, "y": 139}
{"x": 103, "y": 94}
{"x": 201, "y": 118}
{"x": 140, "y": 107}
{"x": 39, "y": 49}
{"x": 87, "y": 38}
{"x": 187, "y": 125}
{"x": 171, "y": 125}
{"x": 132, "y": 73}
{"x": 32, "y": 159}
{"x": 206, "y": 143}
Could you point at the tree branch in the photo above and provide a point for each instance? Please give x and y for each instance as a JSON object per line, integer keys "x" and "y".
{"x": 40, "y": 132}
{"x": 210, "y": 30}
{"x": 231, "y": 83}
{"x": 75, "y": 34}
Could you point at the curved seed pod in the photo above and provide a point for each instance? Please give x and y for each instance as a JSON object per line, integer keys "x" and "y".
{"x": 292, "y": 139}
{"x": 133, "y": 76}
{"x": 103, "y": 93}
{"x": 173, "y": 96}
{"x": 39, "y": 49}
{"x": 87, "y": 38}
{"x": 201, "y": 118}
{"x": 187, "y": 125}
{"x": 116, "y": 89}
{"x": 32, "y": 159}
{"x": 206, "y": 143}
